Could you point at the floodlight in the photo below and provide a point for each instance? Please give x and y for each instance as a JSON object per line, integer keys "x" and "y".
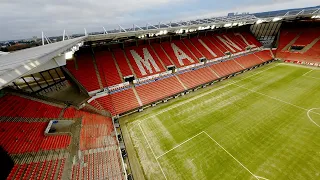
{"x": 276, "y": 19}
{"x": 68, "y": 55}
{"x": 315, "y": 17}
{"x": 165, "y": 32}
{"x": 227, "y": 25}
{"x": 260, "y": 21}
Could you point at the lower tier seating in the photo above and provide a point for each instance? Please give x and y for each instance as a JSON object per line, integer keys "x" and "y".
{"x": 96, "y": 132}
{"x": 24, "y": 137}
{"x": 249, "y": 61}
{"x": 16, "y": 106}
{"x": 40, "y": 167}
{"x": 122, "y": 101}
{"x": 197, "y": 77}
{"x": 102, "y": 163}
{"x": 227, "y": 67}
{"x": 159, "y": 89}
{"x": 264, "y": 55}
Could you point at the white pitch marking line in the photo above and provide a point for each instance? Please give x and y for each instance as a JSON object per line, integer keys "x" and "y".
{"x": 278, "y": 100}
{"x": 262, "y": 178}
{"x": 231, "y": 155}
{"x": 179, "y": 145}
{"x": 307, "y": 72}
{"x": 308, "y": 114}
{"x": 204, "y": 94}
{"x": 153, "y": 152}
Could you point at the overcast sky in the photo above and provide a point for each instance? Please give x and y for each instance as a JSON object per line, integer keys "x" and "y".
{"x": 26, "y": 18}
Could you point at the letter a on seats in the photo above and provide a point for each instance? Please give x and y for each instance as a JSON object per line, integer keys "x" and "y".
{"x": 180, "y": 54}
{"x": 147, "y": 61}
{"x": 244, "y": 40}
{"x": 229, "y": 43}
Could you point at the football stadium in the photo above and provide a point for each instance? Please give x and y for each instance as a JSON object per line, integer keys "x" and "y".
{"x": 233, "y": 97}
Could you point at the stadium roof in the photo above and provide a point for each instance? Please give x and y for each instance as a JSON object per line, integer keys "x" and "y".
{"x": 21, "y": 63}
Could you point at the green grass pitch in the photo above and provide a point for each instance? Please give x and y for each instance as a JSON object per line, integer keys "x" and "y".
{"x": 263, "y": 124}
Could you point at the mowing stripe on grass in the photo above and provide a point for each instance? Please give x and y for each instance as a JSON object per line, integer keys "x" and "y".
{"x": 153, "y": 152}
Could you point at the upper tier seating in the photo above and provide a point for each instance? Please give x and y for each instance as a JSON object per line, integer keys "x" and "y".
{"x": 85, "y": 73}
{"x": 193, "y": 48}
{"x": 144, "y": 61}
{"x": 122, "y": 62}
{"x": 107, "y": 68}
{"x": 308, "y": 41}
{"x": 179, "y": 53}
{"x": 162, "y": 54}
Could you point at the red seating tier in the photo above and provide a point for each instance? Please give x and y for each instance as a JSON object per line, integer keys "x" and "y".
{"x": 162, "y": 55}
{"x": 140, "y": 51}
{"x": 122, "y": 62}
{"x": 16, "y": 106}
{"x": 167, "y": 46}
{"x": 192, "y": 48}
{"x": 159, "y": 89}
{"x": 227, "y": 67}
{"x": 23, "y": 137}
{"x": 86, "y": 73}
{"x": 107, "y": 68}
{"x": 197, "y": 77}
{"x": 249, "y": 61}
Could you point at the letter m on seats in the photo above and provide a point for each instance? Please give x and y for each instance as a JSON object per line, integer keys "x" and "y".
{"x": 147, "y": 62}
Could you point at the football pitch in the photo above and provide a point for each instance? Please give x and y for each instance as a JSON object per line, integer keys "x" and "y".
{"x": 262, "y": 124}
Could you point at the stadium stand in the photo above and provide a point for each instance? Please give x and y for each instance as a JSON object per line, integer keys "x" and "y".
{"x": 84, "y": 63}
{"x": 197, "y": 77}
{"x": 299, "y": 45}
{"x": 39, "y": 156}
{"x": 226, "y": 68}
{"x": 159, "y": 89}
{"x": 147, "y": 63}
{"x": 144, "y": 61}
{"x": 107, "y": 68}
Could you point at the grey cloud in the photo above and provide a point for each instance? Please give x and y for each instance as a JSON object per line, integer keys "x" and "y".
{"x": 21, "y": 19}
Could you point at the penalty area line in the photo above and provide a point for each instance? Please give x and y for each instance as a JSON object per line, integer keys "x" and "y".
{"x": 145, "y": 137}
{"x": 257, "y": 177}
{"x": 179, "y": 145}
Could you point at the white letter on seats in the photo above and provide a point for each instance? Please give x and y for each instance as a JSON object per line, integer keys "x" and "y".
{"x": 145, "y": 61}
{"x": 207, "y": 48}
{"x": 180, "y": 54}
{"x": 229, "y": 43}
{"x": 244, "y": 40}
